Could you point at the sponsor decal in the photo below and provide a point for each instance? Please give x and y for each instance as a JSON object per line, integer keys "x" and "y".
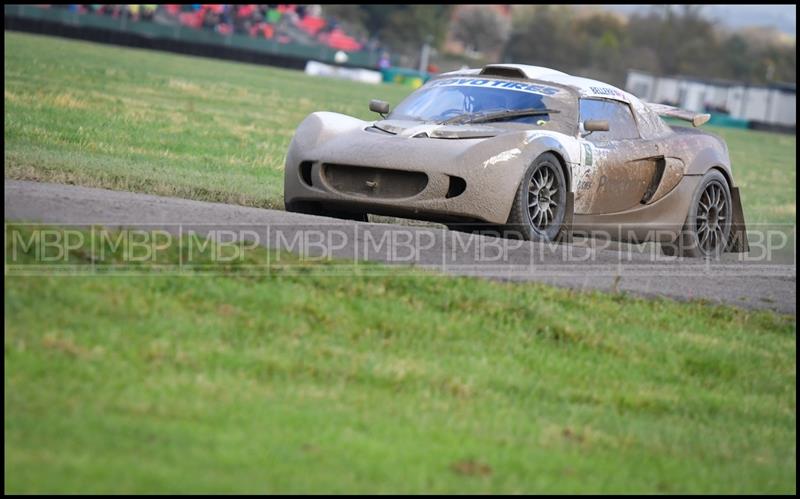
{"x": 507, "y": 85}
{"x": 588, "y": 156}
{"x": 606, "y": 91}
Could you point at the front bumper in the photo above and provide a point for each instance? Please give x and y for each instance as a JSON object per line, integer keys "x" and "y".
{"x": 433, "y": 179}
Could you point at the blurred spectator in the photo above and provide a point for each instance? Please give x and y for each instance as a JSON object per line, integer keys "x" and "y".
{"x": 384, "y": 62}
{"x": 148, "y": 11}
{"x": 133, "y": 11}
{"x": 273, "y": 14}
{"x": 284, "y": 22}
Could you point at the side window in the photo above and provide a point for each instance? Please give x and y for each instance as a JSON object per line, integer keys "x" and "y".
{"x": 620, "y": 120}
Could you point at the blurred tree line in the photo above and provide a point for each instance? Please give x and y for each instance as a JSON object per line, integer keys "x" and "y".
{"x": 663, "y": 40}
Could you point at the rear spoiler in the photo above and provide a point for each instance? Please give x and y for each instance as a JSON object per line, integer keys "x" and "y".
{"x": 696, "y": 119}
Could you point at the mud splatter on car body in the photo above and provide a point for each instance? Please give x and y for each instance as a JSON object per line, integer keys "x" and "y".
{"x": 449, "y": 170}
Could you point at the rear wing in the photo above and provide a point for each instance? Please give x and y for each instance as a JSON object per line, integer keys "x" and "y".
{"x": 696, "y": 119}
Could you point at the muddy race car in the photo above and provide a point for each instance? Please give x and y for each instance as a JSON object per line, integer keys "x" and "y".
{"x": 528, "y": 151}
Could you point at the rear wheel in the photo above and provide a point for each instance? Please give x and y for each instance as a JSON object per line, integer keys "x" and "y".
{"x": 707, "y": 228}
{"x": 540, "y": 202}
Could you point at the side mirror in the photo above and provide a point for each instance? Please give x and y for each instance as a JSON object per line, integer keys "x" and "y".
{"x": 379, "y": 106}
{"x": 595, "y": 126}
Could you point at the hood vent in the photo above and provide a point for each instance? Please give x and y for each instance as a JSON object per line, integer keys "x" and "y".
{"x": 418, "y": 130}
{"x": 504, "y": 72}
{"x": 375, "y": 129}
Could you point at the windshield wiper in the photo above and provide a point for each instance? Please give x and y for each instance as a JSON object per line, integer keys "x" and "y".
{"x": 496, "y": 115}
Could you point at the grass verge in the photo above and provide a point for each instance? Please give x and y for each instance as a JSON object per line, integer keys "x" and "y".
{"x": 292, "y": 383}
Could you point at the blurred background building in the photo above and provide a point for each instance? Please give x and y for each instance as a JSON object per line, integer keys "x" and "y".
{"x": 730, "y": 103}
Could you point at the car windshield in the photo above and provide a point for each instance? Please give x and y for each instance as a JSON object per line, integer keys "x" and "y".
{"x": 454, "y": 100}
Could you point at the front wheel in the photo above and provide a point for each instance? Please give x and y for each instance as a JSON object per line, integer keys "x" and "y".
{"x": 540, "y": 201}
{"x": 707, "y": 228}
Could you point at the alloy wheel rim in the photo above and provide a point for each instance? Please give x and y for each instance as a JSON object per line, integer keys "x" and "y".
{"x": 543, "y": 197}
{"x": 712, "y": 217}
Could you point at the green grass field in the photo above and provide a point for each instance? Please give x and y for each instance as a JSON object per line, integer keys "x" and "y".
{"x": 204, "y": 129}
{"x": 317, "y": 383}
{"x": 159, "y": 123}
{"x": 386, "y": 384}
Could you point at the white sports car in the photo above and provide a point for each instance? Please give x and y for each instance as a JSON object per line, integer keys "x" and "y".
{"x": 529, "y": 150}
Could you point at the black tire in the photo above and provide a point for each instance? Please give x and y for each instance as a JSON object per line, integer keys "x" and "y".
{"x": 312, "y": 208}
{"x": 538, "y": 213}
{"x": 707, "y": 229}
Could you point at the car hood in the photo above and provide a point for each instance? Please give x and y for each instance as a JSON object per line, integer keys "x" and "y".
{"x": 410, "y": 145}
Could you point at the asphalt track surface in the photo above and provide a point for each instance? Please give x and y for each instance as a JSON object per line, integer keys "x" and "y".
{"x": 586, "y": 264}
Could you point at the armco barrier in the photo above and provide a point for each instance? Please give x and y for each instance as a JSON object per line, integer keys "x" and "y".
{"x": 173, "y": 38}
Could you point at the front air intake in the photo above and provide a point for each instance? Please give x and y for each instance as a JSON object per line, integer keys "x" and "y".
{"x": 457, "y": 186}
{"x": 305, "y": 172}
{"x": 374, "y": 182}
